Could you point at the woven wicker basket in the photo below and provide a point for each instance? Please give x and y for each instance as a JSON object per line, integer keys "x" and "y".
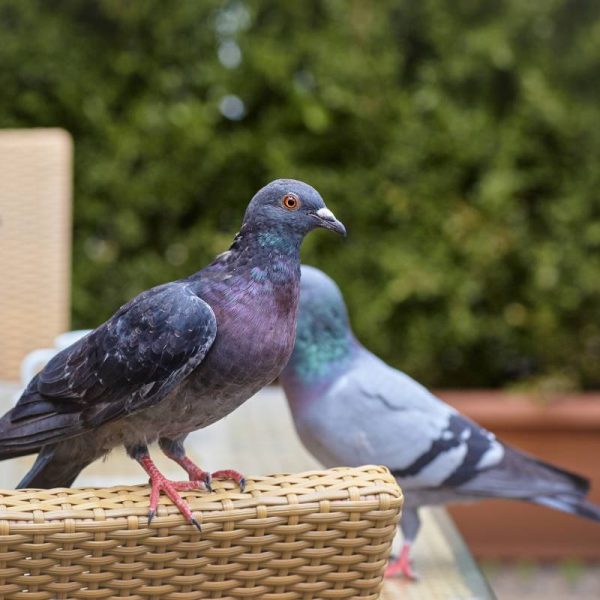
{"x": 319, "y": 534}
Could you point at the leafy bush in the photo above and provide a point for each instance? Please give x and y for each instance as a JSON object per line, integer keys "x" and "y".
{"x": 458, "y": 141}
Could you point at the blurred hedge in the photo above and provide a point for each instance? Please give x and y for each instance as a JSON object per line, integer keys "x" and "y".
{"x": 459, "y": 142}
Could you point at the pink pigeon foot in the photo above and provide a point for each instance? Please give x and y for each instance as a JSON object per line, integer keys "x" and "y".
{"x": 402, "y": 566}
{"x": 159, "y": 483}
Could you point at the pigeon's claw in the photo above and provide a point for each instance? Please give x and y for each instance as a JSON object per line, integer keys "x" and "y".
{"x": 171, "y": 488}
{"x": 402, "y": 566}
{"x": 159, "y": 483}
{"x": 231, "y": 474}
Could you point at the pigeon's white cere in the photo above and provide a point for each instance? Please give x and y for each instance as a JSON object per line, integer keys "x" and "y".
{"x": 325, "y": 213}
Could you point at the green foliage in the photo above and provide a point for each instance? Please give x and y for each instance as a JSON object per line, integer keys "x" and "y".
{"x": 458, "y": 141}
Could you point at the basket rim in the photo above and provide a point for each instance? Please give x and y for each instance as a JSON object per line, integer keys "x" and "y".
{"x": 363, "y": 489}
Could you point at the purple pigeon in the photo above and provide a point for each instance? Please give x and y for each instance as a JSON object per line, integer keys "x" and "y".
{"x": 351, "y": 408}
{"x": 176, "y": 358}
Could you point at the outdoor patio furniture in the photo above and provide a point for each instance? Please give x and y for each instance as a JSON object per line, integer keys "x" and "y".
{"x": 35, "y": 241}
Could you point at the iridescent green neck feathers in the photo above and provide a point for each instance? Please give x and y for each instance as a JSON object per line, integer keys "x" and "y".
{"x": 324, "y": 340}
{"x": 319, "y": 352}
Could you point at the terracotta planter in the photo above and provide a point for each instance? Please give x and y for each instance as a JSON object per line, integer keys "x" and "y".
{"x": 566, "y": 432}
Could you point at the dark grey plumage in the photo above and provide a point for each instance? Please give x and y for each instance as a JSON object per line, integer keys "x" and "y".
{"x": 350, "y": 408}
{"x": 177, "y": 357}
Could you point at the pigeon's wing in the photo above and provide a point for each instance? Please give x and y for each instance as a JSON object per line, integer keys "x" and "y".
{"x": 429, "y": 445}
{"x": 397, "y": 422}
{"x": 130, "y": 362}
{"x": 377, "y": 415}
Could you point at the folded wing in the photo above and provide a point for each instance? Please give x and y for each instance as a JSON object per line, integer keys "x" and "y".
{"x": 128, "y": 363}
{"x": 429, "y": 445}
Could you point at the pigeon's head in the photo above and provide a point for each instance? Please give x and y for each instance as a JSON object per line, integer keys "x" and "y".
{"x": 290, "y": 207}
{"x": 324, "y": 339}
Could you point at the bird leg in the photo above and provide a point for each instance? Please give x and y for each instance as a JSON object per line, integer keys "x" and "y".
{"x": 175, "y": 451}
{"x": 159, "y": 483}
{"x": 401, "y": 565}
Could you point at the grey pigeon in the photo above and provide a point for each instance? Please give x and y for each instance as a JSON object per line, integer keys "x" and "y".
{"x": 176, "y": 358}
{"x": 351, "y": 408}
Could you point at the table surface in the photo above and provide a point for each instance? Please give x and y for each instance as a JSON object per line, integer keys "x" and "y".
{"x": 259, "y": 438}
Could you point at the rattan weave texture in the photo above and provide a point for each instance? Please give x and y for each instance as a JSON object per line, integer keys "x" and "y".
{"x": 319, "y": 534}
{"x": 35, "y": 241}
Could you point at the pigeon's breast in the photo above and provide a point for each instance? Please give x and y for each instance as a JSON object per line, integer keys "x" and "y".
{"x": 253, "y": 344}
{"x": 255, "y": 337}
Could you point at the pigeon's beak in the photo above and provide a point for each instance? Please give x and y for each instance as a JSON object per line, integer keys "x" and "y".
{"x": 326, "y": 219}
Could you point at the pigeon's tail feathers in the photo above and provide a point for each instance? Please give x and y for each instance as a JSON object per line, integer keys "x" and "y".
{"x": 54, "y": 468}
{"x": 521, "y": 476}
{"x": 19, "y": 437}
{"x": 571, "y": 498}
{"x": 571, "y": 504}
{"x": 7, "y": 453}
{"x": 580, "y": 485}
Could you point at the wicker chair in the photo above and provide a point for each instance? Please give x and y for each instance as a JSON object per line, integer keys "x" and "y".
{"x": 35, "y": 241}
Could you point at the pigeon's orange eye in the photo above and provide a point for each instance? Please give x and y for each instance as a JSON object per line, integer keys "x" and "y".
{"x": 291, "y": 201}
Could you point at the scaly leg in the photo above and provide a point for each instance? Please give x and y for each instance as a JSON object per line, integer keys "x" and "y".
{"x": 410, "y": 525}
{"x": 175, "y": 451}
{"x": 160, "y": 484}
{"x": 401, "y": 565}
